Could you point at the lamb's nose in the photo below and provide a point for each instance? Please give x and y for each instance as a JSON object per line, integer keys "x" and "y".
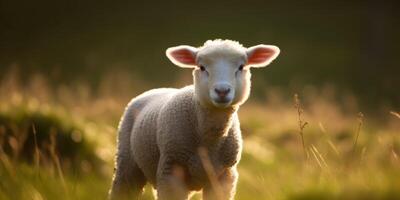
{"x": 222, "y": 92}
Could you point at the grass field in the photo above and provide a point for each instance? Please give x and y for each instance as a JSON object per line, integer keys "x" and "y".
{"x": 58, "y": 142}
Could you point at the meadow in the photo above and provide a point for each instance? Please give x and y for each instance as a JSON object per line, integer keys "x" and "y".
{"x": 58, "y": 141}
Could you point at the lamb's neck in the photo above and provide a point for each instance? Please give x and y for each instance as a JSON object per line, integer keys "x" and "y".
{"x": 213, "y": 123}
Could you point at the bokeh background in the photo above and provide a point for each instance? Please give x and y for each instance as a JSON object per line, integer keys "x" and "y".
{"x": 351, "y": 44}
{"x": 68, "y": 68}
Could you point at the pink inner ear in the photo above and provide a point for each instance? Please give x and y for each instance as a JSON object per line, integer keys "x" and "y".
{"x": 260, "y": 55}
{"x": 184, "y": 56}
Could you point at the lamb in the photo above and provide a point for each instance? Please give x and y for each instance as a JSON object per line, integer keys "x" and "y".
{"x": 162, "y": 130}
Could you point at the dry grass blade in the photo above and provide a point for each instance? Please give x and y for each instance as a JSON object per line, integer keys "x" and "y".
{"x": 393, "y": 151}
{"x": 334, "y": 148}
{"x": 37, "y": 153}
{"x": 321, "y": 126}
{"x": 7, "y": 163}
{"x": 3, "y": 157}
{"x": 395, "y": 156}
{"x": 302, "y": 124}
{"x": 363, "y": 154}
{"x": 360, "y": 119}
{"x": 210, "y": 172}
{"x": 396, "y": 114}
{"x": 320, "y": 156}
{"x": 316, "y": 157}
{"x": 56, "y": 160}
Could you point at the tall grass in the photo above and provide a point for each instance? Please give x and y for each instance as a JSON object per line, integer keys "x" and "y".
{"x": 302, "y": 124}
{"x": 272, "y": 165}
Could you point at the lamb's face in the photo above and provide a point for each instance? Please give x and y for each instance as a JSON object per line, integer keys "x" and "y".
{"x": 221, "y": 78}
{"x": 221, "y": 69}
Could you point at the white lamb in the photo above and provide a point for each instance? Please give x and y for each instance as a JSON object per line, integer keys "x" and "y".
{"x": 162, "y": 130}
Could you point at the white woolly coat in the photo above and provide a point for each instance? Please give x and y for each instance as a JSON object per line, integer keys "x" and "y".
{"x": 165, "y": 127}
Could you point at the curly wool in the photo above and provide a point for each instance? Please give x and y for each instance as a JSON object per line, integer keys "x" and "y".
{"x": 169, "y": 125}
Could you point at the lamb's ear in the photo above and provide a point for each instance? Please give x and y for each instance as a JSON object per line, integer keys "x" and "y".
{"x": 261, "y": 55}
{"x": 183, "y": 56}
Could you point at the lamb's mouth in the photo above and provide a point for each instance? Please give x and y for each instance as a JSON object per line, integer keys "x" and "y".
{"x": 222, "y": 102}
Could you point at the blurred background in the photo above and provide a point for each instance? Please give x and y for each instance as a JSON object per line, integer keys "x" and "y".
{"x": 68, "y": 68}
{"x": 352, "y": 45}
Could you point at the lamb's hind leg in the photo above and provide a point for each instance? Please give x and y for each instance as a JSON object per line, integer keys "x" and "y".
{"x": 128, "y": 181}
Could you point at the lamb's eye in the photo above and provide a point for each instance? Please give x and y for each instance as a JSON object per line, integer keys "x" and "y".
{"x": 241, "y": 67}
{"x": 202, "y": 68}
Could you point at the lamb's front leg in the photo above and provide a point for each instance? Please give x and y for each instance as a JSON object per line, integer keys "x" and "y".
{"x": 170, "y": 180}
{"x": 227, "y": 182}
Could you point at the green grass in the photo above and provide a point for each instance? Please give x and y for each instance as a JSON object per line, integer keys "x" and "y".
{"x": 273, "y": 165}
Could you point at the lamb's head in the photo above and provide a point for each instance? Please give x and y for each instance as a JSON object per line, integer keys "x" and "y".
{"x": 221, "y": 69}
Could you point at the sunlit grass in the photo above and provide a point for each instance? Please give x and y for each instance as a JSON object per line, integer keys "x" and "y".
{"x": 345, "y": 160}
